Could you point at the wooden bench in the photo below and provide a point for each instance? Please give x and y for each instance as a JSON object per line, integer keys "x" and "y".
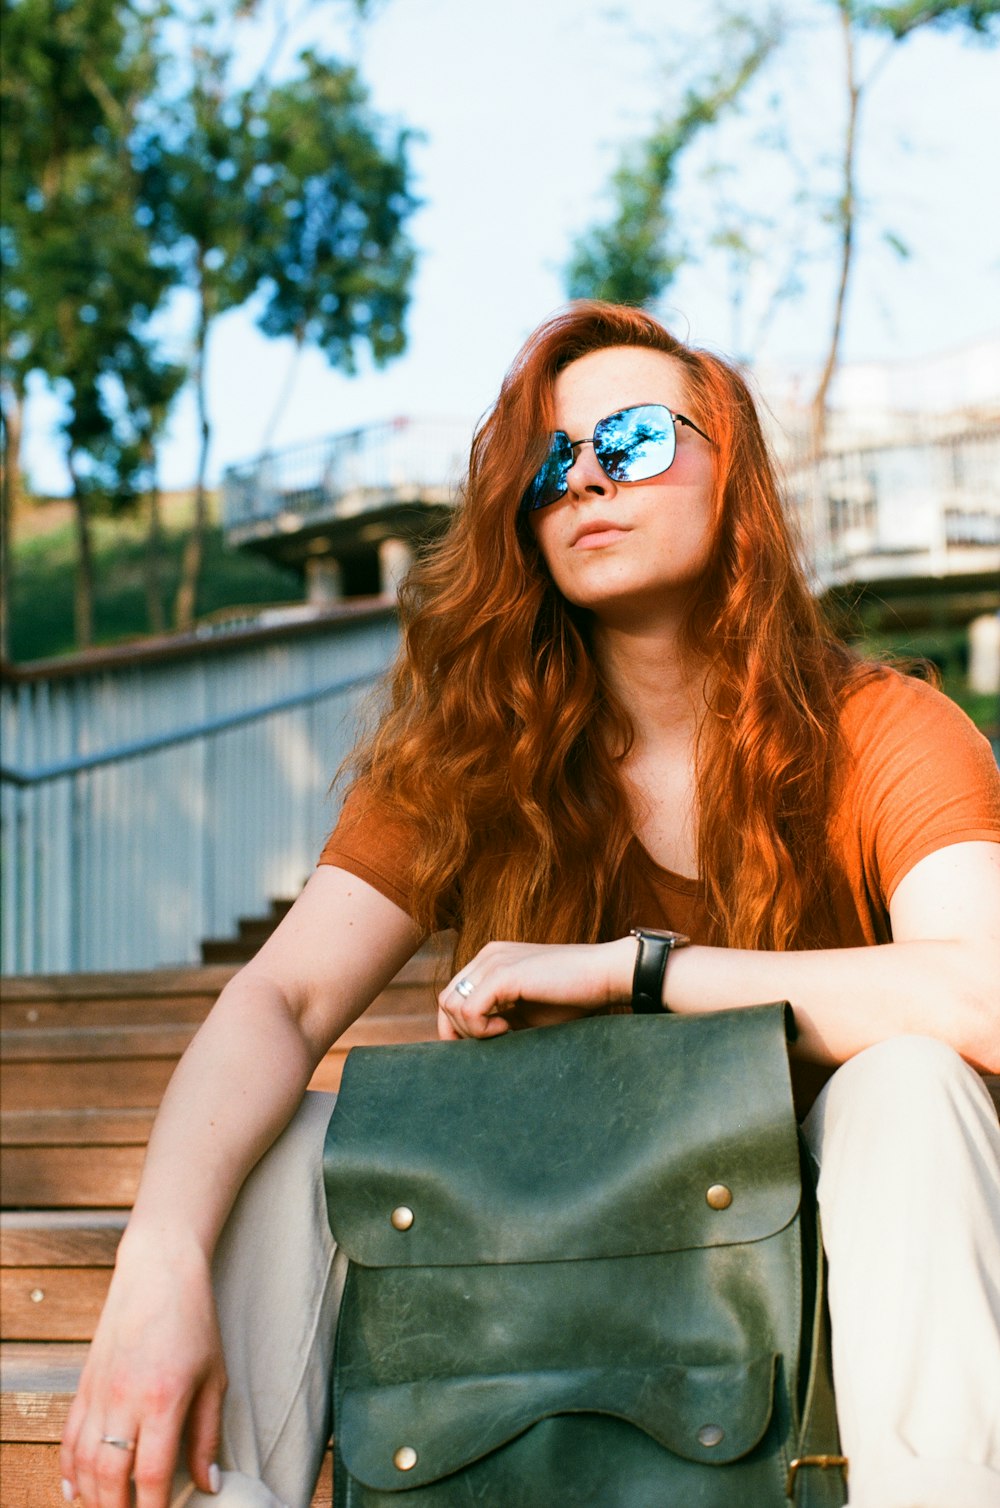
{"x": 85, "y": 1061}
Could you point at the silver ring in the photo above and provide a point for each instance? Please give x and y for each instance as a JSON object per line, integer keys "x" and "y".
{"x": 118, "y": 1443}
{"x": 464, "y": 987}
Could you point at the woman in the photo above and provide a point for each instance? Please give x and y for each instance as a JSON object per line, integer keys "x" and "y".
{"x": 615, "y": 707}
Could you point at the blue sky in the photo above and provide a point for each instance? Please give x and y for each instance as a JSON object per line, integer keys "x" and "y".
{"x": 524, "y": 107}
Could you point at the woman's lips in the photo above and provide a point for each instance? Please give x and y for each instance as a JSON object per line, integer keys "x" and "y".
{"x": 599, "y": 533}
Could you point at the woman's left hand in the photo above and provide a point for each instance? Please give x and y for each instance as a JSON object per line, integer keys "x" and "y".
{"x": 508, "y": 986}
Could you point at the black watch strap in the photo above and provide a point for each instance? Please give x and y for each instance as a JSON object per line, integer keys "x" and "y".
{"x": 650, "y": 967}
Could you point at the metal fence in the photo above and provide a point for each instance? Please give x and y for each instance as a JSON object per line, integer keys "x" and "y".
{"x": 148, "y": 803}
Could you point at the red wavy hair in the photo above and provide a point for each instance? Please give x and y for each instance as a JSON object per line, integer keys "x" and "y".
{"x": 502, "y": 744}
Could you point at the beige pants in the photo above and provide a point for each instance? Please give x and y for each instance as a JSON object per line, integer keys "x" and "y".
{"x": 909, "y": 1153}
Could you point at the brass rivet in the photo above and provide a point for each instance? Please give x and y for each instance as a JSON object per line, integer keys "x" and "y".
{"x": 405, "y": 1458}
{"x": 402, "y": 1219}
{"x": 711, "y": 1434}
{"x": 36, "y": 1295}
{"x": 719, "y": 1197}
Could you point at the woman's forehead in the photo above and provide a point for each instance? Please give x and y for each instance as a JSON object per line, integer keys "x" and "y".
{"x": 603, "y": 381}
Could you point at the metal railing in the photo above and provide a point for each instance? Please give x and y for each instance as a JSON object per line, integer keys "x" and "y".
{"x": 147, "y": 806}
{"x": 347, "y": 474}
{"x": 906, "y": 500}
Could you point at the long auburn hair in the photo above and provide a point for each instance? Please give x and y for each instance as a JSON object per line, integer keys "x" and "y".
{"x": 502, "y": 743}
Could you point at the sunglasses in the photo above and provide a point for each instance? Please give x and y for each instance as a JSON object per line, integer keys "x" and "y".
{"x": 631, "y": 445}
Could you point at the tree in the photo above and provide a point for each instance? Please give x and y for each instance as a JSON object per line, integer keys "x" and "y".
{"x": 117, "y": 189}
{"x": 638, "y": 255}
{"x": 287, "y": 188}
{"x": 193, "y": 172}
{"x": 331, "y": 200}
{"x": 898, "y": 22}
{"x": 635, "y": 256}
{"x": 79, "y": 274}
{"x": 149, "y": 385}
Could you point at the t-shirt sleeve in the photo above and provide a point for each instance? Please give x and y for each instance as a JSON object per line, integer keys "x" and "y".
{"x": 923, "y": 777}
{"x": 377, "y": 843}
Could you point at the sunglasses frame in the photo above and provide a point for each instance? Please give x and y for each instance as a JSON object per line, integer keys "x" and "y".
{"x": 528, "y": 505}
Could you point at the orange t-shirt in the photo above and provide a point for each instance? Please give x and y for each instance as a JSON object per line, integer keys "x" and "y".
{"x": 919, "y": 776}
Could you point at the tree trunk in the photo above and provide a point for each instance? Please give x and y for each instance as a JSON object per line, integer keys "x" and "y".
{"x": 186, "y": 602}
{"x": 848, "y": 207}
{"x": 155, "y": 615}
{"x": 287, "y": 388}
{"x": 83, "y": 587}
{"x": 10, "y": 504}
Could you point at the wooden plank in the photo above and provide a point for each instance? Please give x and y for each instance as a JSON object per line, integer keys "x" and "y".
{"x": 31, "y": 1477}
{"x": 138, "y": 1083}
{"x": 195, "y": 979}
{"x": 401, "y": 996}
{"x": 205, "y": 981}
{"x": 70, "y": 1177}
{"x": 76, "y": 1128}
{"x": 95, "y": 1043}
{"x": 59, "y": 1015}
{"x": 60, "y": 1238}
{"x": 38, "y": 1383}
{"x": 52, "y": 1303}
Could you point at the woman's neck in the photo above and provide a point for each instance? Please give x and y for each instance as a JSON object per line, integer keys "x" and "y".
{"x": 660, "y": 685}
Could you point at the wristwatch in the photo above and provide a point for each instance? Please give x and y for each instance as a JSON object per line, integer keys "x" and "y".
{"x": 650, "y": 966}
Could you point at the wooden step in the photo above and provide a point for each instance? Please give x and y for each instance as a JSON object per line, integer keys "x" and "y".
{"x": 55, "y": 1267}
{"x": 251, "y": 933}
{"x": 223, "y": 950}
{"x": 162, "y": 995}
{"x": 74, "y": 1125}
{"x": 38, "y": 1382}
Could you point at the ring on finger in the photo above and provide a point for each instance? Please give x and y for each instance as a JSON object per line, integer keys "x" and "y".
{"x": 118, "y": 1442}
{"x": 464, "y": 987}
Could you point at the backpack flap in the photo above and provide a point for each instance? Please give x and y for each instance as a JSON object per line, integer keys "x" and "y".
{"x": 394, "y": 1439}
{"x": 684, "y": 1124}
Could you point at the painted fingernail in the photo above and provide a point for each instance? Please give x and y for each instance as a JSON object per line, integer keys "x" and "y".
{"x": 68, "y": 1490}
{"x": 214, "y": 1477}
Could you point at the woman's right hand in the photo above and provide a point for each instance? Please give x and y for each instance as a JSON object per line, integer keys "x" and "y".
{"x": 154, "y": 1374}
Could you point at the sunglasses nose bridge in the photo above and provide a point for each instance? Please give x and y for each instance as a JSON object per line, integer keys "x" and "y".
{"x": 586, "y": 474}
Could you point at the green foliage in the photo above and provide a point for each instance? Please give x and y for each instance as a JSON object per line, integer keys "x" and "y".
{"x": 635, "y": 254}
{"x": 329, "y": 203}
{"x": 634, "y": 257}
{"x": 80, "y": 278}
{"x": 899, "y": 20}
{"x": 193, "y": 173}
{"x": 43, "y": 596}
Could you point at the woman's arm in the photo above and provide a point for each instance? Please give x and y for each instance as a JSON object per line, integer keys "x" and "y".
{"x": 939, "y": 977}
{"x": 156, "y": 1362}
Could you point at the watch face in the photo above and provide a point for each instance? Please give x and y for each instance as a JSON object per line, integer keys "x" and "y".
{"x": 677, "y": 938}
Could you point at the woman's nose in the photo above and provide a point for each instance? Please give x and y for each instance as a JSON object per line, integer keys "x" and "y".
{"x": 586, "y": 476}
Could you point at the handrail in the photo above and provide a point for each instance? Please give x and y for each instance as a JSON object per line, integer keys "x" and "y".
{"x": 178, "y": 736}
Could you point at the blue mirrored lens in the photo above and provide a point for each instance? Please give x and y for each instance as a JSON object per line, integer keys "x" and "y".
{"x": 549, "y": 483}
{"x": 636, "y": 443}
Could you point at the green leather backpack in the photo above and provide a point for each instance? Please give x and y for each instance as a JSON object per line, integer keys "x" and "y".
{"x": 582, "y": 1272}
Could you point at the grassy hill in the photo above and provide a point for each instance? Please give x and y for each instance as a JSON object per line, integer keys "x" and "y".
{"x": 42, "y": 592}
{"x": 43, "y": 563}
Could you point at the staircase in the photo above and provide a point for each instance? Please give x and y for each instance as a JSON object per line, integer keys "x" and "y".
{"x": 252, "y": 932}
{"x": 85, "y": 1060}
